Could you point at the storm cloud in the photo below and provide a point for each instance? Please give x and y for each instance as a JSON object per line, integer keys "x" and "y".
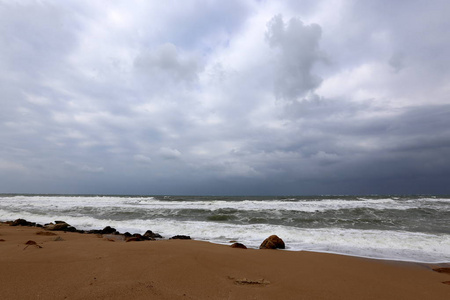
{"x": 242, "y": 97}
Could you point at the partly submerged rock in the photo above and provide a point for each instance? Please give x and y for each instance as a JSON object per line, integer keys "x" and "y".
{"x": 272, "y": 242}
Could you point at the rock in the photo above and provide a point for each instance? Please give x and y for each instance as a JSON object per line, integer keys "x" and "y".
{"x": 272, "y": 242}
{"x": 134, "y": 238}
{"x": 108, "y": 230}
{"x": 58, "y": 239}
{"x": 31, "y": 243}
{"x": 2, "y": 240}
{"x": 127, "y": 234}
{"x": 152, "y": 235}
{"x": 60, "y": 226}
{"x": 181, "y": 237}
{"x": 238, "y": 245}
{"x": 22, "y": 222}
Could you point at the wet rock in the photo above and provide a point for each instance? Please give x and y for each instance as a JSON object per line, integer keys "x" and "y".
{"x": 272, "y": 242}
{"x": 180, "y": 237}
{"x": 238, "y": 245}
{"x": 152, "y": 235}
{"x": 108, "y": 230}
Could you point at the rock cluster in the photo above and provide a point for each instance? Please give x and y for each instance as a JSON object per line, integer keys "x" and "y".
{"x": 272, "y": 242}
{"x": 107, "y": 231}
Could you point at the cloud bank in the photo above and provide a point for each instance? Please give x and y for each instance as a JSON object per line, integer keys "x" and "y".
{"x": 242, "y": 97}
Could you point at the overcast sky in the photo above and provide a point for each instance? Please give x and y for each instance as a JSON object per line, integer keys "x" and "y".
{"x": 225, "y": 97}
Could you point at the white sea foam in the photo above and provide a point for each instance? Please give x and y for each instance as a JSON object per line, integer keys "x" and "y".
{"x": 86, "y": 212}
{"x": 61, "y": 203}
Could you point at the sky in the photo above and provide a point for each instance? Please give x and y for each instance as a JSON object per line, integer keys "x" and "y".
{"x": 313, "y": 97}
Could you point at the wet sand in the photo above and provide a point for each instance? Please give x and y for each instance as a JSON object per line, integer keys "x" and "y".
{"x": 89, "y": 266}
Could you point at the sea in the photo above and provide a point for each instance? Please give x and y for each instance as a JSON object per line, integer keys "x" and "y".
{"x": 403, "y": 228}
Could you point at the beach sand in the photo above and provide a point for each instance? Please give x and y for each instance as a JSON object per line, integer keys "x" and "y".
{"x": 88, "y": 266}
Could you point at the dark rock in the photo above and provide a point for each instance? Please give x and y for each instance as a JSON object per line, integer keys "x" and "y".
{"x": 2, "y": 240}
{"x": 127, "y": 234}
{"x": 108, "y": 230}
{"x": 272, "y": 242}
{"x": 181, "y": 237}
{"x": 238, "y": 245}
{"x": 21, "y": 222}
{"x": 152, "y": 235}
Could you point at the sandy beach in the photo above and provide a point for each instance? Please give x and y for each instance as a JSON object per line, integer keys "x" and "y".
{"x": 64, "y": 265}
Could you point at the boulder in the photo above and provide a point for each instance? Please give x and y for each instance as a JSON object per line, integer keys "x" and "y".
{"x": 180, "y": 237}
{"x": 152, "y": 235}
{"x": 238, "y": 245}
{"x": 272, "y": 242}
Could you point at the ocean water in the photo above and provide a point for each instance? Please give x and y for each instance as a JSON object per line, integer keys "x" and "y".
{"x": 407, "y": 228}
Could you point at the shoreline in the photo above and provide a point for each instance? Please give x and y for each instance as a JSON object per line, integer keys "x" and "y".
{"x": 90, "y": 266}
